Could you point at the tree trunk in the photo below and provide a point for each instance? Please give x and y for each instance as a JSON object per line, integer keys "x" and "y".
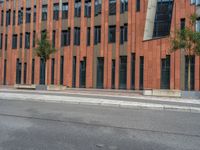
{"x": 189, "y": 73}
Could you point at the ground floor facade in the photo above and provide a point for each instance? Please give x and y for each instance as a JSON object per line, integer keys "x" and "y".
{"x": 117, "y": 47}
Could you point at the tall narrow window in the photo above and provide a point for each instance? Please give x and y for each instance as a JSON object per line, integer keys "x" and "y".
{"x": 83, "y": 73}
{"x": 65, "y": 10}
{"x": 14, "y": 41}
{"x": 5, "y": 72}
{"x": 123, "y": 72}
{"x": 34, "y": 38}
{"x": 28, "y": 15}
{"x": 77, "y": 8}
{"x": 76, "y": 36}
{"x": 1, "y": 41}
{"x": 8, "y": 15}
{"x": 165, "y": 73}
{"x": 20, "y": 42}
{"x": 97, "y": 34}
{"x": 2, "y": 18}
{"x": 112, "y": 7}
{"x": 112, "y": 34}
{"x": 133, "y": 71}
{"x": 100, "y": 72}
{"x": 27, "y": 40}
{"x": 33, "y": 72}
{"x": 20, "y": 16}
{"x": 44, "y": 12}
{"x": 35, "y": 13}
{"x": 18, "y": 71}
{"x": 56, "y": 12}
{"x": 123, "y": 6}
{"x": 88, "y": 36}
{"x": 141, "y": 81}
{"x": 74, "y": 72}
{"x": 88, "y": 8}
{"x": 137, "y": 5}
{"x": 52, "y": 70}
{"x": 25, "y": 72}
{"x": 54, "y": 38}
{"x": 198, "y": 25}
{"x": 113, "y": 74}
{"x": 65, "y": 37}
{"x": 6, "y": 42}
{"x": 61, "y": 69}
{"x": 14, "y": 15}
{"x": 97, "y": 7}
{"x": 182, "y": 23}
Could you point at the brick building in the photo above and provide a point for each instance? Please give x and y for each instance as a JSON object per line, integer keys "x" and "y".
{"x": 121, "y": 44}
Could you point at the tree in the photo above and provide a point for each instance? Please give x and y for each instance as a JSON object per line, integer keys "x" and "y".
{"x": 44, "y": 49}
{"x": 188, "y": 40}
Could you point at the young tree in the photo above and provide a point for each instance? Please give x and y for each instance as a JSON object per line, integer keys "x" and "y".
{"x": 44, "y": 49}
{"x": 187, "y": 40}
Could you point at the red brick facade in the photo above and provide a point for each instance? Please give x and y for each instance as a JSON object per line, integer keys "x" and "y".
{"x": 152, "y": 50}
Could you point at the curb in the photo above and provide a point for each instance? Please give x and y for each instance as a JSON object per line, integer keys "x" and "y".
{"x": 99, "y": 102}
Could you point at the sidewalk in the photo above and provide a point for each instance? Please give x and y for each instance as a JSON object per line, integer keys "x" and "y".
{"x": 115, "y": 98}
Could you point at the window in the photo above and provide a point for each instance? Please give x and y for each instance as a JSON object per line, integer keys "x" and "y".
{"x": 27, "y": 40}
{"x": 76, "y": 36}
{"x": 54, "y": 38}
{"x": 8, "y": 17}
{"x": 97, "y": 8}
{"x": 88, "y": 8}
{"x": 124, "y": 33}
{"x": 133, "y": 71}
{"x": 123, "y": 6}
{"x": 112, "y": 34}
{"x": 52, "y": 70}
{"x": 113, "y": 73}
{"x": 14, "y": 41}
{"x": 18, "y": 71}
{"x": 182, "y": 23}
{"x": 35, "y": 13}
{"x": 33, "y": 71}
{"x": 1, "y": 40}
{"x": 6, "y": 42}
{"x": 44, "y": 12}
{"x": 123, "y": 72}
{"x": 56, "y": 12}
{"x": 88, "y": 36}
{"x": 198, "y": 25}
{"x": 112, "y": 7}
{"x": 61, "y": 69}
{"x": 97, "y": 34}
{"x": 28, "y": 15}
{"x": 65, "y": 37}
{"x": 141, "y": 81}
{"x": 20, "y": 42}
{"x": 65, "y": 11}
{"x": 77, "y": 7}
{"x": 25, "y": 72}
{"x": 83, "y": 73}
{"x": 137, "y": 5}
{"x": 14, "y": 15}
{"x": 34, "y": 38}
{"x": 163, "y": 18}
{"x": 20, "y": 16}
{"x": 74, "y": 72}
{"x": 100, "y": 72}
{"x": 165, "y": 73}
{"x": 2, "y": 18}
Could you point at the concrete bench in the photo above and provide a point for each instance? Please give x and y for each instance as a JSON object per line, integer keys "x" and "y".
{"x": 162, "y": 93}
{"x": 25, "y": 86}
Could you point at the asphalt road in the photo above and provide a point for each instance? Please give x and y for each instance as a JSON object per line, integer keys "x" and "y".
{"x": 52, "y": 126}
